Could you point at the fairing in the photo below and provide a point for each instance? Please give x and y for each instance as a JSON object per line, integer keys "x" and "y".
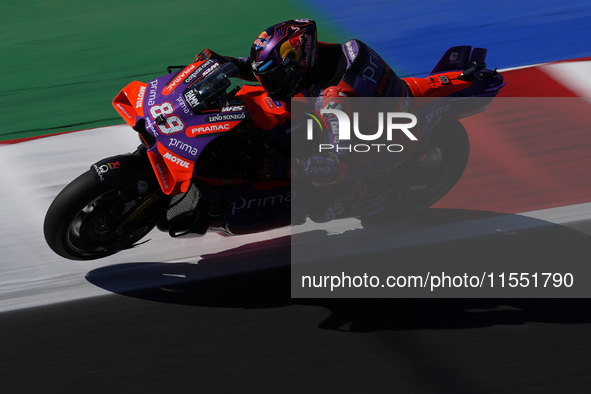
{"x": 167, "y": 111}
{"x": 164, "y": 108}
{"x": 447, "y": 77}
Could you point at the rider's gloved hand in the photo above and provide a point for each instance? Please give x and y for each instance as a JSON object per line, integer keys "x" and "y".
{"x": 242, "y": 64}
{"x": 208, "y": 54}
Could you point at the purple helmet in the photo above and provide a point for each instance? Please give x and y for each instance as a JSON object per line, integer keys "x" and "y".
{"x": 282, "y": 55}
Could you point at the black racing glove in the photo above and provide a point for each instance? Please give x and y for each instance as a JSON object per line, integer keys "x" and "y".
{"x": 209, "y": 54}
{"x": 242, "y": 64}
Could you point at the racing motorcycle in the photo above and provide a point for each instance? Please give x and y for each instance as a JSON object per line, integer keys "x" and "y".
{"x": 200, "y": 136}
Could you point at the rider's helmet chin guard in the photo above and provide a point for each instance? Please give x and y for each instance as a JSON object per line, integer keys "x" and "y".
{"x": 282, "y": 55}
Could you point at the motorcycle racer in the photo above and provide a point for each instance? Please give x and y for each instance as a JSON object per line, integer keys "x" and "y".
{"x": 288, "y": 61}
{"x": 196, "y": 167}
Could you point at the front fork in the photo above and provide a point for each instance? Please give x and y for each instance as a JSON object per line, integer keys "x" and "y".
{"x": 140, "y": 213}
{"x": 132, "y": 174}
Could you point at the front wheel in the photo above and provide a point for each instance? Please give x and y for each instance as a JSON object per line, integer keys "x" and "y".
{"x": 90, "y": 220}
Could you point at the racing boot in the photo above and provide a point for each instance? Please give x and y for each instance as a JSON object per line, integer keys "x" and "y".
{"x": 339, "y": 203}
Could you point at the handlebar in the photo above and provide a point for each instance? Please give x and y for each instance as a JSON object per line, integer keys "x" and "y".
{"x": 213, "y": 87}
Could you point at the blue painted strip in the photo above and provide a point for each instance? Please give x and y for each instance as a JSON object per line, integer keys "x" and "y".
{"x": 412, "y": 35}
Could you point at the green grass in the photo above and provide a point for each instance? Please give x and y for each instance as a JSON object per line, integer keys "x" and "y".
{"x": 63, "y": 61}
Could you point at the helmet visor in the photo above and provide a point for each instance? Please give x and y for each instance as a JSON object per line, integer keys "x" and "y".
{"x": 277, "y": 78}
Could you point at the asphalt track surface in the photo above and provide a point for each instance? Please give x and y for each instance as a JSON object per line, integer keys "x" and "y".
{"x": 246, "y": 335}
{"x": 162, "y": 319}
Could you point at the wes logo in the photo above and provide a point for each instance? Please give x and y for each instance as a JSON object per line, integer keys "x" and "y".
{"x": 233, "y": 108}
{"x": 338, "y": 122}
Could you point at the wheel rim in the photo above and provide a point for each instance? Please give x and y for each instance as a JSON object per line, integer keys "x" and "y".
{"x": 96, "y": 228}
{"x": 432, "y": 179}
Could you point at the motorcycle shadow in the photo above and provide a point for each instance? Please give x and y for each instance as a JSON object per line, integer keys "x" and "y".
{"x": 258, "y": 275}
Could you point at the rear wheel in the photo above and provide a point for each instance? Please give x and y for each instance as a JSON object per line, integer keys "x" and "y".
{"x": 90, "y": 220}
{"x": 440, "y": 167}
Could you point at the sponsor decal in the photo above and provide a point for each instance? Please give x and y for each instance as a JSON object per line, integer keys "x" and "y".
{"x": 369, "y": 71}
{"x": 124, "y": 111}
{"x": 171, "y": 169}
{"x": 261, "y": 41}
{"x": 308, "y": 50}
{"x": 183, "y": 146}
{"x": 235, "y": 108}
{"x": 272, "y": 104}
{"x": 152, "y": 92}
{"x": 211, "y": 128}
{"x": 162, "y": 177}
{"x": 202, "y": 71}
{"x": 150, "y": 128}
{"x": 350, "y": 51}
{"x": 168, "y": 89}
{"x": 104, "y": 168}
{"x": 140, "y": 97}
{"x": 176, "y": 160}
{"x": 193, "y": 77}
{"x": 225, "y": 117}
{"x": 210, "y": 70}
{"x": 437, "y": 112}
{"x": 294, "y": 45}
{"x": 191, "y": 98}
{"x": 183, "y": 104}
{"x": 261, "y": 202}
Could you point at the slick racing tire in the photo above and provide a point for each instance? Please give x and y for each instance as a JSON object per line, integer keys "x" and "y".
{"x": 84, "y": 222}
{"x": 439, "y": 169}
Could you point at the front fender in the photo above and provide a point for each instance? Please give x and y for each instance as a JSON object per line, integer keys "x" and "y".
{"x": 130, "y": 172}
